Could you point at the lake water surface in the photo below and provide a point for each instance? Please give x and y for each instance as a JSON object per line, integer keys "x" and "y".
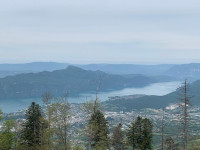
{"x": 153, "y": 89}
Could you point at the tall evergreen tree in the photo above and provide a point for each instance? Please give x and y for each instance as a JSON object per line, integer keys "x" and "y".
{"x": 89, "y": 108}
{"x": 139, "y": 135}
{"x": 146, "y": 134}
{"x": 118, "y": 137}
{"x": 131, "y": 138}
{"x": 133, "y": 134}
{"x": 99, "y": 125}
{"x": 33, "y": 128}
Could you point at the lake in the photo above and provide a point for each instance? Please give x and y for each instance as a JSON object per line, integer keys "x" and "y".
{"x": 153, "y": 89}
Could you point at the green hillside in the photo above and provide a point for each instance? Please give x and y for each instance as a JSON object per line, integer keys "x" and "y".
{"x": 154, "y": 101}
{"x": 72, "y": 79}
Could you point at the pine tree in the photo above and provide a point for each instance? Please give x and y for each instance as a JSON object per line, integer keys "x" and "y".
{"x": 133, "y": 134}
{"x": 118, "y": 137}
{"x": 33, "y": 128}
{"x": 131, "y": 138}
{"x": 99, "y": 125}
{"x": 89, "y": 108}
{"x": 146, "y": 134}
{"x": 139, "y": 135}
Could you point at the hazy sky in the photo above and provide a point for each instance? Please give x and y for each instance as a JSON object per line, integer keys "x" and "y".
{"x": 100, "y": 31}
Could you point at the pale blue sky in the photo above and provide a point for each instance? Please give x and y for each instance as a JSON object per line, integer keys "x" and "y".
{"x": 100, "y": 31}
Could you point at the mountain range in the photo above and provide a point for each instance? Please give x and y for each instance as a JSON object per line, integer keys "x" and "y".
{"x": 190, "y": 71}
{"x": 72, "y": 79}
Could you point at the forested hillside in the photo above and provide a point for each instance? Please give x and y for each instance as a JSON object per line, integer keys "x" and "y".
{"x": 72, "y": 79}
{"x": 152, "y": 101}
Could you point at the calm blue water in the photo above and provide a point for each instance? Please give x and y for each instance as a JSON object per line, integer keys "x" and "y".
{"x": 153, "y": 89}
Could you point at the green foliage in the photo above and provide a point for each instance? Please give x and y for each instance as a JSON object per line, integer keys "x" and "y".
{"x": 99, "y": 125}
{"x": 33, "y": 128}
{"x": 7, "y": 140}
{"x": 118, "y": 137}
{"x": 139, "y": 135}
{"x": 170, "y": 144}
{"x": 147, "y": 134}
{"x": 91, "y": 106}
{"x": 1, "y": 115}
{"x": 195, "y": 145}
{"x": 8, "y": 125}
{"x": 47, "y": 99}
{"x": 7, "y": 136}
{"x": 78, "y": 148}
{"x": 61, "y": 117}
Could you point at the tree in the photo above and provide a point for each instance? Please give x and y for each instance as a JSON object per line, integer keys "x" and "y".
{"x": 90, "y": 108}
{"x": 146, "y": 134}
{"x": 33, "y": 128}
{"x": 118, "y": 137}
{"x": 61, "y": 118}
{"x": 90, "y": 134}
{"x": 170, "y": 144}
{"x": 99, "y": 125}
{"x": 184, "y": 105}
{"x": 131, "y": 135}
{"x": 47, "y": 99}
{"x": 7, "y": 136}
{"x": 139, "y": 135}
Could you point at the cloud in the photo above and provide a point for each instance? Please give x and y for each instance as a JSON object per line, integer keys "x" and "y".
{"x": 82, "y": 30}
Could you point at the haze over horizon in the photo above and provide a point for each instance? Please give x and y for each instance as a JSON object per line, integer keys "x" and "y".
{"x": 83, "y": 32}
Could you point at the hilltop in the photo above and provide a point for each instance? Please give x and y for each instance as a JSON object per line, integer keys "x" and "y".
{"x": 72, "y": 79}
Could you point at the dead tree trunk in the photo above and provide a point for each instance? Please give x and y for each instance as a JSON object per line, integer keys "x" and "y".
{"x": 162, "y": 131}
{"x": 184, "y": 106}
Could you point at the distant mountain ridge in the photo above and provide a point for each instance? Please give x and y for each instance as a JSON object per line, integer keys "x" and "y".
{"x": 190, "y": 71}
{"x": 183, "y": 71}
{"x": 129, "y": 68}
{"x": 72, "y": 79}
{"x": 14, "y": 69}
